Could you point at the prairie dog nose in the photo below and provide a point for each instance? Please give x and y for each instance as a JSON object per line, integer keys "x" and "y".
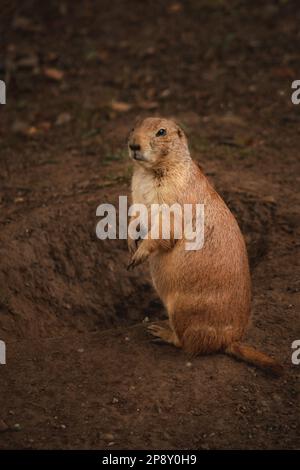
{"x": 134, "y": 147}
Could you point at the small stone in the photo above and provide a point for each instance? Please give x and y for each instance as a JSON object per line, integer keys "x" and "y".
{"x": 165, "y": 93}
{"x": 63, "y": 118}
{"x": 107, "y": 437}
{"x": 146, "y": 320}
{"x": 80, "y": 350}
{"x": 115, "y": 400}
{"x": 204, "y": 446}
{"x": 17, "y": 427}
{"x": 63, "y": 426}
{"x": 189, "y": 364}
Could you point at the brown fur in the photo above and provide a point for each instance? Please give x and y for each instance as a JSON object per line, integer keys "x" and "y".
{"x": 206, "y": 292}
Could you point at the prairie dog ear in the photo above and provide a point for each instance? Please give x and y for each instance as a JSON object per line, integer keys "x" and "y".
{"x": 178, "y": 128}
{"x": 180, "y": 132}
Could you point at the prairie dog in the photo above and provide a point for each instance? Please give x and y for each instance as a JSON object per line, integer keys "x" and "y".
{"x": 206, "y": 292}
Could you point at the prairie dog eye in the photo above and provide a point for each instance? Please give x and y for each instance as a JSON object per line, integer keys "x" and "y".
{"x": 161, "y": 133}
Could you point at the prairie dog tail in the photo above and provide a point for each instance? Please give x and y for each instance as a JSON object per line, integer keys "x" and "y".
{"x": 248, "y": 354}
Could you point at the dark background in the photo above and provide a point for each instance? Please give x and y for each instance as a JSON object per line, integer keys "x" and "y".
{"x": 81, "y": 371}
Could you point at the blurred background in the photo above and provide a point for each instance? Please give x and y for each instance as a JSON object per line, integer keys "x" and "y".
{"x": 78, "y": 74}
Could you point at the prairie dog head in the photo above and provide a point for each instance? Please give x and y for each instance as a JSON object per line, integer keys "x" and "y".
{"x": 155, "y": 142}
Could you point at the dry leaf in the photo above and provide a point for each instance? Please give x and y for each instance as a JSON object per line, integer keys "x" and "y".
{"x": 148, "y": 105}
{"x": 45, "y": 126}
{"x": 21, "y": 23}
{"x": 284, "y": 72}
{"x": 120, "y": 106}
{"x": 32, "y": 131}
{"x": 175, "y": 7}
{"x": 54, "y": 74}
{"x": 28, "y": 62}
{"x": 19, "y": 199}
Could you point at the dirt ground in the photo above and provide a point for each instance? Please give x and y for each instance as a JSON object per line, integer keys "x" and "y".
{"x": 81, "y": 369}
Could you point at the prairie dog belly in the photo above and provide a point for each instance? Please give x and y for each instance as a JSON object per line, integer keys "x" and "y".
{"x": 215, "y": 283}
